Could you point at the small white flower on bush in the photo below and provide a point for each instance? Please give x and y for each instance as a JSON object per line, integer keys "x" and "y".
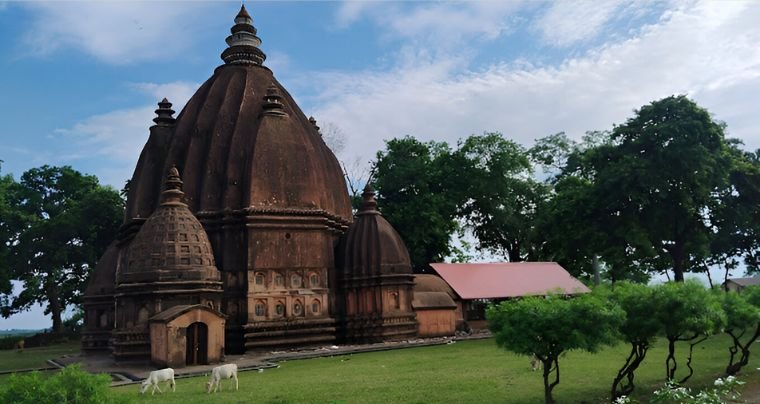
{"x": 622, "y": 400}
{"x": 724, "y": 389}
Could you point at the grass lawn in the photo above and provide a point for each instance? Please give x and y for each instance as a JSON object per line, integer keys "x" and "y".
{"x": 465, "y": 372}
{"x": 35, "y": 357}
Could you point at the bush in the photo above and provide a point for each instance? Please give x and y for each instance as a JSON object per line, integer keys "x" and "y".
{"x": 70, "y": 385}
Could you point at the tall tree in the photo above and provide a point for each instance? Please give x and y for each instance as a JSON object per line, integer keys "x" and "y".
{"x": 6, "y": 181}
{"x": 577, "y": 229}
{"x": 736, "y": 222}
{"x": 502, "y": 197}
{"x": 419, "y": 194}
{"x": 659, "y": 177}
{"x": 63, "y": 222}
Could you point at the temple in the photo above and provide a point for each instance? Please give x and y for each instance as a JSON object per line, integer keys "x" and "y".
{"x": 239, "y": 233}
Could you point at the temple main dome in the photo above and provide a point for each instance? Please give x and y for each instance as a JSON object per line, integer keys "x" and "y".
{"x": 241, "y": 142}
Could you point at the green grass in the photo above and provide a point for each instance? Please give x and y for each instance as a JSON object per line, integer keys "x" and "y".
{"x": 465, "y": 372}
{"x": 35, "y": 357}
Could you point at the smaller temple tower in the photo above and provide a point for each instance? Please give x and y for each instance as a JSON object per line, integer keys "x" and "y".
{"x": 98, "y": 303}
{"x": 168, "y": 270}
{"x": 376, "y": 279}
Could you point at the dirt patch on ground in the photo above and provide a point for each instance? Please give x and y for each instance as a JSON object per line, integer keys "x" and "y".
{"x": 751, "y": 392}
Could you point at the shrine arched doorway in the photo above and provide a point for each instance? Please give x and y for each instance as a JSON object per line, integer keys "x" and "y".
{"x": 196, "y": 344}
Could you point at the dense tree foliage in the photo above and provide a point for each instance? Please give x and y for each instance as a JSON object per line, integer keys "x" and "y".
{"x": 419, "y": 193}
{"x": 548, "y": 327}
{"x": 503, "y": 200}
{"x": 59, "y": 223}
{"x": 664, "y": 192}
{"x": 428, "y": 191}
{"x": 659, "y": 177}
{"x": 6, "y": 181}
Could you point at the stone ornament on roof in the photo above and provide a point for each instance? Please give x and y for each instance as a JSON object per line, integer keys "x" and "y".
{"x": 313, "y": 122}
{"x": 369, "y": 203}
{"x": 243, "y": 44}
{"x": 164, "y": 113}
{"x": 273, "y": 102}
{"x": 172, "y": 195}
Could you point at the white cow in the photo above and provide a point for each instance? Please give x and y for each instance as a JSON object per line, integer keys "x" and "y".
{"x": 158, "y": 376}
{"x": 228, "y": 371}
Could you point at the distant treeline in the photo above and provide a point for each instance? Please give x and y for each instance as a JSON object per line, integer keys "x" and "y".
{"x": 21, "y": 333}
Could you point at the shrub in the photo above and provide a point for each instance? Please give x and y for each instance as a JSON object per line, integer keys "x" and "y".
{"x": 70, "y": 385}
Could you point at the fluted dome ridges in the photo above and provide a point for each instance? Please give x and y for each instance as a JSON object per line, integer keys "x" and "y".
{"x": 236, "y": 152}
{"x": 103, "y": 278}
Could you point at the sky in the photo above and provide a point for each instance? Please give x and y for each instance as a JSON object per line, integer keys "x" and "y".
{"x": 79, "y": 80}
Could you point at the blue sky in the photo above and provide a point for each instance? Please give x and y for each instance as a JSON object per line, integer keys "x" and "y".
{"x": 80, "y": 80}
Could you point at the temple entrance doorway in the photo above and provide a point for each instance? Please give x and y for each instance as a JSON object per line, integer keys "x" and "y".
{"x": 197, "y": 344}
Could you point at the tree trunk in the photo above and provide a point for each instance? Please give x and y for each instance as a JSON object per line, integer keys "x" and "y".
{"x": 688, "y": 361}
{"x": 734, "y": 367}
{"x": 670, "y": 363}
{"x": 550, "y": 364}
{"x": 54, "y": 305}
{"x": 597, "y": 270}
{"x": 679, "y": 262}
{"x": 637, "y": 355}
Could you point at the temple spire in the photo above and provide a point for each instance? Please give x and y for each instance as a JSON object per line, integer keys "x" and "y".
{"x": 172, "y": 194}
{"x": 164, "y": 113}
{"x": 369, "y": 203}
{"x": 243, "y": 44}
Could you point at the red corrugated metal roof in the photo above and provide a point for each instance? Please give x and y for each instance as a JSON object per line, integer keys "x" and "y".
{"x": 508, "y": 279}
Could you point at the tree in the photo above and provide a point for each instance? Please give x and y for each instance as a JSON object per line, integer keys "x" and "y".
{"x": 547, "y": 327}
{"x": 578, "y": 229}
{"x": 687, "y": 312}
{"x": 742, "y": 317}
{"x": 639, "y": 329}
{"x": 6, "y": 181}
{"x": 660, "y": 176}
{"x": 62, "y": 222}
{"x": 419, "y": 194}
{"x": 502, "y": 197}
{"x": 736, "y": 221}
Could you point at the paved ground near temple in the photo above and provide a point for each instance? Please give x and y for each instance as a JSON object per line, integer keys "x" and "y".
{"x": 130, "y": 373}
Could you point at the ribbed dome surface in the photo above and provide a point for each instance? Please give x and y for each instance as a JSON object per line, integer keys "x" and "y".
{"x": 372, "y": 246}
{"x": 432, "y": 283}
{"x": 234, "y": 154}
{"x": 103, "y": 278}
{"x": 171, "y": 245}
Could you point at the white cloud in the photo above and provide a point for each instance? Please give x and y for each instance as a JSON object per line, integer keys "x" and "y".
{"x": 567, "y": 22}
{"x": 116, "y": 32}
{"x": 350, "y": 12}
{"x": 439, "y": 25}
{"x": 708, "y": 51}
{"x": 120, "y": 135}
{"x": 177, "y": 92}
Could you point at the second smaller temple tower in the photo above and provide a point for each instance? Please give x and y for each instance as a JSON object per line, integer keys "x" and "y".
{"x": 376, "y": 279}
